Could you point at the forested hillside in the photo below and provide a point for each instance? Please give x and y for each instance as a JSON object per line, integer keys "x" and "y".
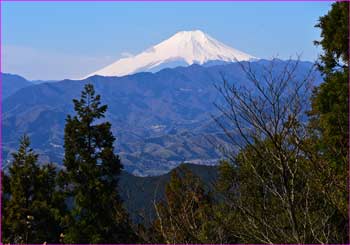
{"x": 282, "y": 176}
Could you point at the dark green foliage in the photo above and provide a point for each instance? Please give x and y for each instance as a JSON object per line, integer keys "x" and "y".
{"x": 329, "y": 117}
{"x": 330, "y": 104}
{"x": 51, "y": 210}
{"x": 32, "y": 206}
{"x": 5, "y": 181}
{"x": 92, "y": 172}
{"x": 335, "y": 38}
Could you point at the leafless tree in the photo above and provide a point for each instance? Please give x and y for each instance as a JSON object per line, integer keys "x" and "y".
{"x": 183, "y": 215}
{"x": 265, "y": 121}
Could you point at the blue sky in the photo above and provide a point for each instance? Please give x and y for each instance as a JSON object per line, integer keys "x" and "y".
{"x": 56, "y": 40}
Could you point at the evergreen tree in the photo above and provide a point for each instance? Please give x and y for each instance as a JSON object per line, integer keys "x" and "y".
{"x": 22, "y": 185}
{"x": 330, "y": 103}
{"x": 49, "y": 209}
{"x": 5, "y": 192}
{"x": 30, "y": 212}
{"x": 329, "y": 117}
{"x": 335, "y": 38}
{"x": 92, "y": 171}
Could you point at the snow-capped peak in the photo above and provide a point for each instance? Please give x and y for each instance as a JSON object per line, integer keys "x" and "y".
{"x": 186, "y": 46}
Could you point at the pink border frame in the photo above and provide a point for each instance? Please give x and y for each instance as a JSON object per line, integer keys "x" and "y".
{"x": 348, "y": 180}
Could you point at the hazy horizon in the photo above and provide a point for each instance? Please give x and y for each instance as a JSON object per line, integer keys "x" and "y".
{"x": 39, "y": 44}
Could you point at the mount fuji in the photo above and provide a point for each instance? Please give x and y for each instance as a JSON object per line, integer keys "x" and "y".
{"x": 182, "y": 49}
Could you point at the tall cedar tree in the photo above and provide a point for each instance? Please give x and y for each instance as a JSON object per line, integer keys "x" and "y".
{"x": 330, "y": 112}
{"x": 30, "y": 211}
{"x": 92, "y": 171}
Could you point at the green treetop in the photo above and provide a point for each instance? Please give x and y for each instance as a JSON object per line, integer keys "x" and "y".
{"x": 92, "y": 171}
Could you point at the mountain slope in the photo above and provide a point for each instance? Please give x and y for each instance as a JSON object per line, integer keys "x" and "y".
{"x": 140, "y": 193}
{"x": 11, "y": 83}
{"x": 159, "y": 119}
{"x": 186, "y": 47}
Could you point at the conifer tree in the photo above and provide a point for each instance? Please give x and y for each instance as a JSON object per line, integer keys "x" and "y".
{"x": 50, "y": 208}
{"x": 329, "y": 117}
{"x": 330, "y": 102}
{"x": 5, "y": 195}
{"x": 30, "y": 212}
{"x": 92, "y": 172}
{"x": 22, "y": 186}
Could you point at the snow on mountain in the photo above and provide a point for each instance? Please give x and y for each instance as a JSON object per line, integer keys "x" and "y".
{"x": 185, "y": 47}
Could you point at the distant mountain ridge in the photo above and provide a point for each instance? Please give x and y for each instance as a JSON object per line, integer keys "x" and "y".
{"x": 183, "y": 48}
{"x": 159, "y": 119}
{"x": 11, "y": 83}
